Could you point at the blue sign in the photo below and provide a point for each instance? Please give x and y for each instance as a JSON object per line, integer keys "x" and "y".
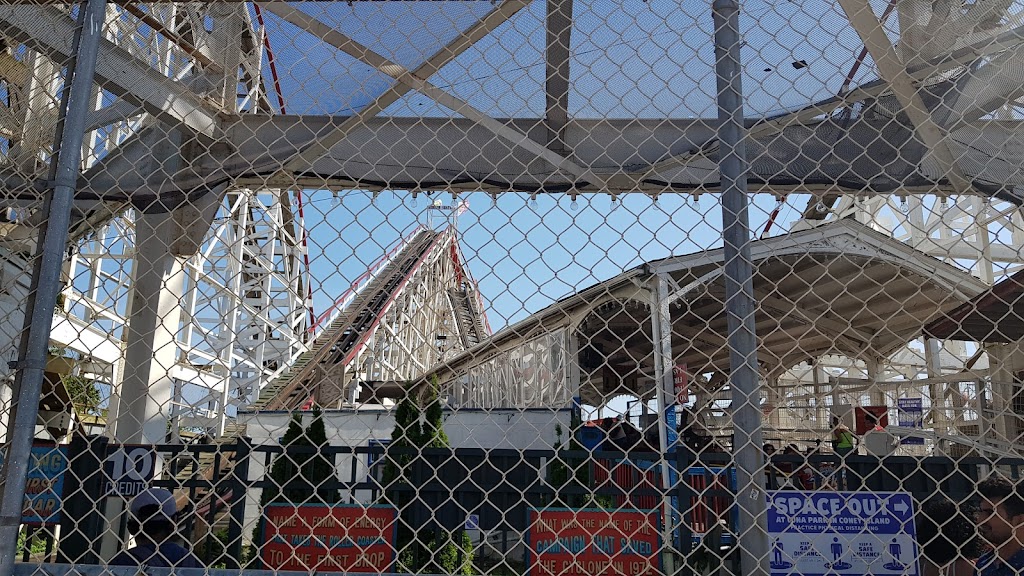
{"x": 374, "y": 461}
{"x": 473, "y": 522}
{"x": 848, "y": 533}
{"x": 44, "y": 485}
{"x": 671, "y": 434}
{"x": 911, "y": 415}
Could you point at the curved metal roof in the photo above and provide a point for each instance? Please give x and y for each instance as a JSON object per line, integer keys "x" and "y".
{"x": 840, "y": 289}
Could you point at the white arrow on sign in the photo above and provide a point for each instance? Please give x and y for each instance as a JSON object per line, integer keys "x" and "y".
{"x": 901, "y": 507}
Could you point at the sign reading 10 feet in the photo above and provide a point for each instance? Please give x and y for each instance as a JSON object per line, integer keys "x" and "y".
{"x": 842, "y": 533}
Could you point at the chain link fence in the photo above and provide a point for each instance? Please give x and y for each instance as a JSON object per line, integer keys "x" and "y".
{"x": 511, "y": 288}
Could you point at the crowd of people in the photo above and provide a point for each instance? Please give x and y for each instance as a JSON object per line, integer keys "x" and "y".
{"x": 797, "y": 472}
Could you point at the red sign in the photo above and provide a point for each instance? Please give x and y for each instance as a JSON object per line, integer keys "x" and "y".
{"x": 568, "y": 542}
{"x": 335, "y": 538}
{"x": 880, "y": 414}
{"x": 680, "y": 381}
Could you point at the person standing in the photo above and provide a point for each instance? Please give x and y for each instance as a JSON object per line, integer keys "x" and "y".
{"x": 771, "y": 472}
{"x": 1001, "y": 524}
{"x": 153, "y": 522}
{"x": 844, "y": 442}
{"x": 878, "y": 441}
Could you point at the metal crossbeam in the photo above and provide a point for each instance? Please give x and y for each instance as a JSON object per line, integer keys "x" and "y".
{"x": 893, "y": 71}
{"x": 413, "y": 81}
{"x": 305, "y": 159}
{"x": 50, "y": 31}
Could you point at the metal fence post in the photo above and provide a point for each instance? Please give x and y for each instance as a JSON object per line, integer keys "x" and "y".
{"x": 239, "y": 494}
{"x": 685, "y": 494}
{"x": 83, "y": 501}
{"x": 739, "y": 287}
{"x": 51, "y": 247}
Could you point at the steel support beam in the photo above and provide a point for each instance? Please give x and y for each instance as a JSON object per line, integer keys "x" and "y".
{"x": 980, "y": 48}
{"x": 49, "y": 31}
{"x": 740, "y": 306}
{"x": 413, "y": 81}
{"x": 893, "y": 71}
{"x": 556, "y": 81}
{"x": 305, "y": 158}
{"x": 150, "y": 351}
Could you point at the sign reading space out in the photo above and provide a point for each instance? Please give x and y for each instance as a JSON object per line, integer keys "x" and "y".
{"x": 849, "y": 533}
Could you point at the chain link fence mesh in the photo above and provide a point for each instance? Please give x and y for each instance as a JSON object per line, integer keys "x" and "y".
{"x": 444, "y": 287}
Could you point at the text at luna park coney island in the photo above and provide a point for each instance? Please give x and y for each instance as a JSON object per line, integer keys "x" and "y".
{"x": 841, "y": 533}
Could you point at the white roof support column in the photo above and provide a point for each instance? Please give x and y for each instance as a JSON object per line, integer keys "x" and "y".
{"x": 893, "y": 71}
{"x": 776, "y": 397}
{"x": 876, "y": 394}
{"x": 821, "y": 419}
{"x": 1004, "y": 426}
{"x": 661, "y": 328}
{"x": 154, "y": 314}
{"x": 936, "y": 390}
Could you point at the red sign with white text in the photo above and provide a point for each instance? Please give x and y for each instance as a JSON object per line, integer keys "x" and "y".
{"x": 864, "y": 424}
{"x": 568, "y": 542}
{"x": 329, "y": 538}
{"x": 680, "y": 384}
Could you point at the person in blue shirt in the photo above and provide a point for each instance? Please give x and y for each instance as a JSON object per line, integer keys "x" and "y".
{"x": 1001, "y": 524}
{"x": 152, "y": 520}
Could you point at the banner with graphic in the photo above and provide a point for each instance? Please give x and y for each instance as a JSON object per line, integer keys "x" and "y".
{"x": 849, "y": 533}
{"x": 44, "y": 486}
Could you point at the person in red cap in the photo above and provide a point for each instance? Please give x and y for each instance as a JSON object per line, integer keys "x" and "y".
{"x": 152, "y": 521}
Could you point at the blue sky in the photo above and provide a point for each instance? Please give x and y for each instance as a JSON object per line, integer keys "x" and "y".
{"x": 631, "y": 58}
{"x": 523, "y": 258}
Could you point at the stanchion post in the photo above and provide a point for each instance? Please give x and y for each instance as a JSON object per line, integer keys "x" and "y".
{"x": 49, "y": 258}
{"x": 752, "y": 535}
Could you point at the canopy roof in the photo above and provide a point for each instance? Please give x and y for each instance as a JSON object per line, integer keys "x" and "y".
{"x": 996, "y": 316}
{"x": 538, "y": 96}
{"x": 840, "y": 288}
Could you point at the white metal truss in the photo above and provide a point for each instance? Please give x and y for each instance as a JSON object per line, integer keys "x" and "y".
{"x": 415, "y": 308}
{"x": 433, "y": 318}
{"x": 246, "y": 311}
{"x": 246, "y": 308}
